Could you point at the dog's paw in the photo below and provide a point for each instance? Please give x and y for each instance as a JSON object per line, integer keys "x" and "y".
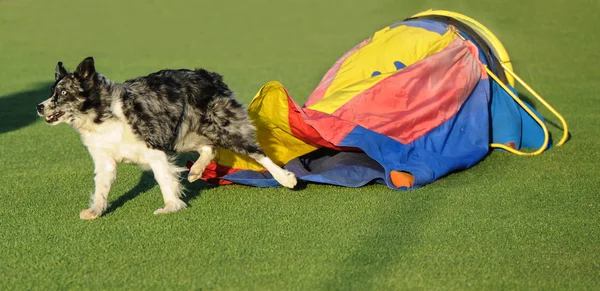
{"x": 287, "y": 179}
{"x": 89, "y": 214}
{"x": 192, "y": 177}
{"x": 171, "y": 206}
{"x": 195, "y": 172}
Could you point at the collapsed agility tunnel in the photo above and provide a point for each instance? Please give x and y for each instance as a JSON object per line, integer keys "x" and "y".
{"x": 417, "y": 100}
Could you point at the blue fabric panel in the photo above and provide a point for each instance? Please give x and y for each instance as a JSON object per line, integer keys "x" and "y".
{"x": 506, "y": 119}
{"x": 252, "y": 178}
{"x": 510, "y": 123}
{"x": 457, "y": 144}
{"x": 348, "y": 169}
{"x": 532, "y": 134}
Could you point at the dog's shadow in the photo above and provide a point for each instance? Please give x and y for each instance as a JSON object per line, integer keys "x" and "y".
{"x": 18, "y": 109}
{"x": 147, "y": 182}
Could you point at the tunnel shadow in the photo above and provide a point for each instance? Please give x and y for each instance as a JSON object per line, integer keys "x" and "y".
{"x": 549, "y": 118}
{"x": 18, "y": 109}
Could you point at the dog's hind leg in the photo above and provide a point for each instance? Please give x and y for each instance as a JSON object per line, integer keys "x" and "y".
{"x": 167, "y": 176}
{"x": 207, "y": 154}
{"x": 246, "y": 146}
{"x": 284, "y": 177}
{"x": 105, "y": 173}
{"x": 228, "y": 126}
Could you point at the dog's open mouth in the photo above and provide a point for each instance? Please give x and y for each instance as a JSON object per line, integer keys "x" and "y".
{"x": 54, "y": 117}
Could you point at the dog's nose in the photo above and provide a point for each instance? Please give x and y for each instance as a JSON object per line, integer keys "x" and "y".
{"x": 40, "y": 108}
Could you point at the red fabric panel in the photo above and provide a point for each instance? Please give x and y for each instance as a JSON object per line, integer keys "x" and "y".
{"x": 213, "y": 172}
{"x": 297, "y": 119}
{"x": 331, "y": 128}
{"x": 410, "y": 103}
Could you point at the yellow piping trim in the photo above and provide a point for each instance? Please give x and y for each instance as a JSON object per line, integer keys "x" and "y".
{"x": 541, "y": 100}
{"x": 526, "y": 108}
{"x": 546, "y": 135}
{"x": 534, "y": 116}
{"x": 483, "y": 31}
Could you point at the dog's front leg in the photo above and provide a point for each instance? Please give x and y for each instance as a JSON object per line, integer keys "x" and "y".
{"x": 105, "y": 173}
{"x": 167, "y": 176}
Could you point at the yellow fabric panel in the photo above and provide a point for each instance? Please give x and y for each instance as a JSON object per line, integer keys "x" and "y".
{"x": 269, "y": 113}
{"x": 403, "y": 43}
{"x": 230, "y": 159}
{"x": 342, "y": 96}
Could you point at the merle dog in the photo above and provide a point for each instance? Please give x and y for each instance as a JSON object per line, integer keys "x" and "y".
{"x": 143, "y": 119}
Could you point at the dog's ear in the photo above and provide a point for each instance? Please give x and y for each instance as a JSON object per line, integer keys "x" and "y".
{"x": 85, "y": 69}
{"x": 59, "y": 71}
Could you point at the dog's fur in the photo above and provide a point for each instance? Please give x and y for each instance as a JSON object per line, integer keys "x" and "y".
{"x": 143, "y": 119}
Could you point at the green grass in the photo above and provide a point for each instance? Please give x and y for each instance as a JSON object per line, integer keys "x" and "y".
{"x": 508, "y": 223}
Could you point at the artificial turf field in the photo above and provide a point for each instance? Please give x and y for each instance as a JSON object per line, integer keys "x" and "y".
{"x": 512, "y": 223}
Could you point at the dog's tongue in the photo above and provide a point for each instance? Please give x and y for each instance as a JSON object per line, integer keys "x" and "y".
{"x": 48, "y": 118}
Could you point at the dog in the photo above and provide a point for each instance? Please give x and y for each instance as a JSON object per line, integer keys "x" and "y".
{"x": 144, "y": 119}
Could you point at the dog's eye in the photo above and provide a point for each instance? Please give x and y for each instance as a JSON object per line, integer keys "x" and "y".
{"x": 63, "y": 92}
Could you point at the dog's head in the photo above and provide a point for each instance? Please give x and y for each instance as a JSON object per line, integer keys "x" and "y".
{"x": 70, "y": 92}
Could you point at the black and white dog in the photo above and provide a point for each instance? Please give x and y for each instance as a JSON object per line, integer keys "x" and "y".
{"x": 142, "y": 119}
